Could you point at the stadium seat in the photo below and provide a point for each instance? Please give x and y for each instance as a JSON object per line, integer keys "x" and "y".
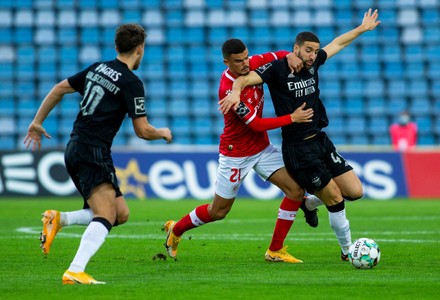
{"x": 334, "y": 107}
{"x": 418, "y": 88}
{"x": 433, "y": 71}
{"x": 330, "y": 88}
{"x": 393, "y": 70}
{"x": 359, "y": 139}
{"x": 280, "y": 17}
{"x": 147, "y": 4}
{"x": 411, "y": 35}
{"x": 397, "y": 88}
{"x": 152, "y": 17}
{"x": 25, "y": 71}
{"x": 339, "y": 139}
{"x": 414, "y": 70}
{"x": 387, "y": 15}
{"x": 355, "y": 125}
{"x": 194, "y": 4}
{"x": 88, "y": 18}
{"x": 420, "y": 107}
{"x": 431, "y": 34}
{"x": 426, "y": 139}
{"x": 67, "y": 36}
{"x": 24, "y": 17}
{"x": 381, "y": 140}
{"x": 424, "y": 124}
{"x": 7, "y": 125}
{"x": 408, "y": 17}
{"x": 7, "y": 142}
{"x": 45, "y": 18}
{"x": 7, "y": 90}
{"x": 374, "y": 88}
{"x": 376, "y": 106}
{"x": 110, "y": 18}
{"x": 87, "y": 4}
{"x": 217, "y": 35}
{"x": 203, "y": 107}
{"x": 430, "y": 17}
{"x": 336, "y": 126}
{"x": 353, "y": 87}
{"x": 370, "y": 54}
{"x": 433, "y": 53}
{"x": 199, "y": 89}
{"x": 349, "y": 70}
{"x": 302, "y": 17}
{"x": 178, "y": 108}
{"x": 195, "y": 35}
{"x": 378, "y": 126}
{"x": 354, "y": 107}
{"x": 197, "y": 71}
{"x": 202, "y": 124}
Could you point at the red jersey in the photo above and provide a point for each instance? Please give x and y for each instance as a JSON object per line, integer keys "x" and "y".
{"x": 403, "y": 137}
{"x": 238, "y": 139}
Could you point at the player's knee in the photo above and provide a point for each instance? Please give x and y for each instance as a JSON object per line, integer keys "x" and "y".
{"x": 296, "y": 194}
{"x": 121, "y": 218}
{"x": 354, "y": 195}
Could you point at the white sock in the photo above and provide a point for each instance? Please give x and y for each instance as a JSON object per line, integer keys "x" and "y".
{"x": 77, "y": 217}
{"x": 341, "y": 228}
{"x": 92, "y": 239}
{"x": 312, "y": 202}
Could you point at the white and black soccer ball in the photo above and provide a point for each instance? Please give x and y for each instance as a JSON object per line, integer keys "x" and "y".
{"x": 364, "y": 253}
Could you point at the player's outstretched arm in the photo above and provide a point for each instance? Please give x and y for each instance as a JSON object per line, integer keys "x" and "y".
{"x": 146, "y": 131}
{"x": 233, "y": 99}
{"x": 36, "y": 129}
{"x": 369, "y": 23}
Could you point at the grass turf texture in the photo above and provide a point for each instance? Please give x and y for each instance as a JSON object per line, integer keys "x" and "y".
{"x": 225, "y": 260}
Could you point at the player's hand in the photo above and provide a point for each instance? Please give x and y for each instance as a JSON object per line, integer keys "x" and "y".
{"x": 231, "y": 100}
{"x": 295, "y": 63}
{"x": 302, "y": 115}
{"x": 166, "y": 134}
{"x": 35, "y": 131}
{"x": 370, "y": 21}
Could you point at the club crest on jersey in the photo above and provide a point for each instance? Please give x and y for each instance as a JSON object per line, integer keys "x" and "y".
{"x": 312, "y": 70}
{"x": 263, "y": 68}
{"x": 139, "y": 105}
{"x": 242, "y": 110}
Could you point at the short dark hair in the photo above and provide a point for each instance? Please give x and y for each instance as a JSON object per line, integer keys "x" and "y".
{"x": 232, "y": 46}
{"x": 128, "y": 37}
{"x": 306, "y": 36}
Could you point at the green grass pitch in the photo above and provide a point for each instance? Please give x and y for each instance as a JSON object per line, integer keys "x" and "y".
{"x": 225, "y": 260}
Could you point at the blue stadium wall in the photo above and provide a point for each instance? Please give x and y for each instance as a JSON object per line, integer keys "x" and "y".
{"x": 365, "y": 87}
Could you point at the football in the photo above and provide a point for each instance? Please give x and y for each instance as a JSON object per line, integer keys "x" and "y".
{"x": 364, "y": 253}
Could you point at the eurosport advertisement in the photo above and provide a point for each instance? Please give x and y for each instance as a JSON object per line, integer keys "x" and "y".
{"x": 181, "y": 175}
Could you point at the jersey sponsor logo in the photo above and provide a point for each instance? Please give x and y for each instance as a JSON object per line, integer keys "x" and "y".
{"x": 242, "y": 110}
{"x": 139, "y": 105}
{"x": 263, "y": 68}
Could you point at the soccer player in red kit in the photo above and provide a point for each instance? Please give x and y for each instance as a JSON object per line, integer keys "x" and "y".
{"x": 308, "y": 152}
{"x": 245, "y": 145}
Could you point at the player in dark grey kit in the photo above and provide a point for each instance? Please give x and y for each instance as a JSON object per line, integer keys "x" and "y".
{"x": 308, "y": 153}
{"x": 110, "y": 91}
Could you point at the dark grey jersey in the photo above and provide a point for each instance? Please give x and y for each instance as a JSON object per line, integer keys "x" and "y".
{"x": 290, "y": 90}
{"x": 110, "y": 90}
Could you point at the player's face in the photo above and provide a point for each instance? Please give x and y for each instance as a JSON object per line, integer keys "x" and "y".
{"x": 238, "y": 63}
{"x": 140, "y": 51}
{"x": 307, "y": 53}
